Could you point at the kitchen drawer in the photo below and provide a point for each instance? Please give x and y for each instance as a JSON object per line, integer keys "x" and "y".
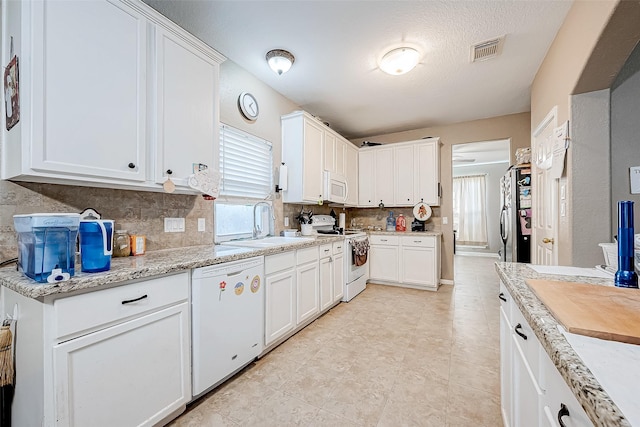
{"x": 384, "y": 239}
{"x": 338, "y": 248}
{"x": 304, "y": 256}
{"x": 279, "y": 262}
{"x": 530, "y": 346}
{"x": 506, "y": 301}
{"x": 421, "y": 241}
{"x": 85, "y": 312}
{"x": 326, "y": 250}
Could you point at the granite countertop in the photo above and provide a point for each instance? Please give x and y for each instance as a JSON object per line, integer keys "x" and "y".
{"x": 151, "y": 264}
{"x": 406, "y": 233}
{"x": 596, "y": 402}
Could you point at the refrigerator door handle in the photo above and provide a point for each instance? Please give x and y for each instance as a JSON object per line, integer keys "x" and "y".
{"x": 503, "y": 224}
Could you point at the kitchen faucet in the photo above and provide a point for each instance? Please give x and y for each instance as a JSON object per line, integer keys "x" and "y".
{"x": 256, "y": 229}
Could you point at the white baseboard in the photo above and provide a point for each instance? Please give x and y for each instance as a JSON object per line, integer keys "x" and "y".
{"x": 483, "y": 254}
{"x": 446, "y": 282}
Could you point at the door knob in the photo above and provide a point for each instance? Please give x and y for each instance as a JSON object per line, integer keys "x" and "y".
{"x": 547, "y": 240}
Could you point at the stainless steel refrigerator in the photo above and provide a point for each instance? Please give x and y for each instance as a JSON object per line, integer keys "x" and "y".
{"x": 515, "y": 214}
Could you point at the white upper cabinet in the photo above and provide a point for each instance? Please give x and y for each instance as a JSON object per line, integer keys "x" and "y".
{"x": 88, "y": 78}
{"x": 384, "y": 176}
{"x": 351, "y": 173}
{"x": 330, "y": 150}
{"x": 187, "y": 122}
{"x": 104, "y": 96}
{"x": 427, "y": 171}
{"x": 401, "y": 174}
{"x": 302, "y": 152}
{"x": 366, "y": 178}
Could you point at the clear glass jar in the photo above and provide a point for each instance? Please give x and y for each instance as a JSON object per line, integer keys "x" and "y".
{"x": 121, "y": 243}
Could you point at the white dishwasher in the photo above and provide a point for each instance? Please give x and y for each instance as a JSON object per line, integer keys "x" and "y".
{"x": 227, "y": 313}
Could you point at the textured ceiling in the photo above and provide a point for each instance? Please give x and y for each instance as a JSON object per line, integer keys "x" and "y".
{"x": 337, "y": 45}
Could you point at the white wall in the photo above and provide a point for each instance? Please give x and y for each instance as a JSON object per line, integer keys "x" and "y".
{"x": 625, "y": 136}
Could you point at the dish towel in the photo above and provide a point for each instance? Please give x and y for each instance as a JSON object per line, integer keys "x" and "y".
{"x": 360, "y": 250}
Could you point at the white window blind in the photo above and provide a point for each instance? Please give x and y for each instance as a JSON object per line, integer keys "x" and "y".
{"x": 246, "y": 162}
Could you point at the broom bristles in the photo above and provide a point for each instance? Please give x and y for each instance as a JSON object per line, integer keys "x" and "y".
{"x": 6, "y": 356}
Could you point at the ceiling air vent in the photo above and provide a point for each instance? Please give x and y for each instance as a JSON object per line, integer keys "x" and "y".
{"x": 487, "y": 49}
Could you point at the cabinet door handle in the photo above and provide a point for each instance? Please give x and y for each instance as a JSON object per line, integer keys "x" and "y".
{"x": 564, "y": 411}
{"x": 132, "y": 165}
{"x": 519, "y": 326}
{"x": 501, "y": 296}
{"x": 129, "y": 301}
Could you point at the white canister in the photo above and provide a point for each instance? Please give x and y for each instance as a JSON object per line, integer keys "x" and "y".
{"x": 342, "y": 221}
{"x": 306, "y": 229}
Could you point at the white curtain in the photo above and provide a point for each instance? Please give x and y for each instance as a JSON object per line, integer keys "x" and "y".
{"x": 470, "y": 209}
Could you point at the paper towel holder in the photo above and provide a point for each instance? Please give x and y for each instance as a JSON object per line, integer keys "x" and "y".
{"x": 282, "y": 178}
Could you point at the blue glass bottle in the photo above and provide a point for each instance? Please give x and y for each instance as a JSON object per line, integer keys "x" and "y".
{"x": 626, "y": 277}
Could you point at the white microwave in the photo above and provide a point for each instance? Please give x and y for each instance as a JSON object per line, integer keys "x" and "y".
{"x": 335, "y": 187}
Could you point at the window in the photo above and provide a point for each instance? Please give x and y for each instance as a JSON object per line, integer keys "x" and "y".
{"x": 246, "y": 168}
{"x": 469, "y": 210}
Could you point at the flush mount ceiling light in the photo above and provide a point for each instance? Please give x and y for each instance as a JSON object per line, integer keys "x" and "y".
{"x": 399, "y": 61}
{"x": 280, "y": 60}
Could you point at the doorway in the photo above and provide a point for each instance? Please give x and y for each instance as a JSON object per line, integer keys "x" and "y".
{"x": 477, "y": 168}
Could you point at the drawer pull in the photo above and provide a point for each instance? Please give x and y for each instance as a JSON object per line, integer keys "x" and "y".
{"x": 129, "y": 301}
{"x": 564, "y": 411}
{"x": 326, "y": 250}
{"x": 417, "y": 241}
{"x": 383, "y": 240}
{"x": 519, "y": 326}
{"x": 501, "y": 296}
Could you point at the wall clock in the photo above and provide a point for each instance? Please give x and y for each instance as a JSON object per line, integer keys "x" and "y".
{"x": 248, "y": 106}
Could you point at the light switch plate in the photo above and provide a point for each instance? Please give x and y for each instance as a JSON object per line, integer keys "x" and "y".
{"x": 634, "y": 176}
{"x": 201, "y": 224}
{"x": 445, "y": 220}
{"x": 173, "y": 225}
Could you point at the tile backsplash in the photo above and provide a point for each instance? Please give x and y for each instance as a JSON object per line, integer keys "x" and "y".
{"x": 138, "y": 212}
{"x": 368, "y": 217}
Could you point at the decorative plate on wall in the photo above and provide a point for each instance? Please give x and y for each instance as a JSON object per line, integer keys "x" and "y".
{"x": 422, "y": 211}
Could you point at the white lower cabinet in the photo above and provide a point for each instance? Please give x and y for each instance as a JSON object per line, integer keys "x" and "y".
{"x": 326, "y": 285}
{"x": 506, "y": 364}
{"x": 300, "y": 286}
{"x": 337, "y": 271}
{"x": 384, "y": 258}
{"x": 137, "y": 367}
{"x": 112, "y": 357}
{"x": 411, "y": 260}
{"x": 559, "y": 404}
{"x": 331, "y": 274}
{"x": 420, "y": 261}
{"x": 279, "y": 312}
{"x": 307, "y": 284}
{"x": 533, "y": 393}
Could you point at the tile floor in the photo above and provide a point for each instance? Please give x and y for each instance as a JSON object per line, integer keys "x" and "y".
{"x": 390, "y": 357}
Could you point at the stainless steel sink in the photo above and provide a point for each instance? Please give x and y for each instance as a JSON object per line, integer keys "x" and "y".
{"x": 268, "y": 242}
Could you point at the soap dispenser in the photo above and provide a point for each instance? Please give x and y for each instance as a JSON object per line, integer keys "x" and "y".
{"x": 391, "y": 222}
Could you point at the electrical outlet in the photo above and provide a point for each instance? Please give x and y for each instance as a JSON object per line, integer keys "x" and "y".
{"x": 445, "y": 220}
{"x": 201, "y": 224}
{"x": 173, "y": 225}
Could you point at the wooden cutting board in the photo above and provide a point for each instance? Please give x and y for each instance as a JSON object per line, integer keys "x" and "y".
{"x": 604, "y": 312}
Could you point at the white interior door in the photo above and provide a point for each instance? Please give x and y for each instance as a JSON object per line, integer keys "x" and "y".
{"x": 545, "y": 194}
